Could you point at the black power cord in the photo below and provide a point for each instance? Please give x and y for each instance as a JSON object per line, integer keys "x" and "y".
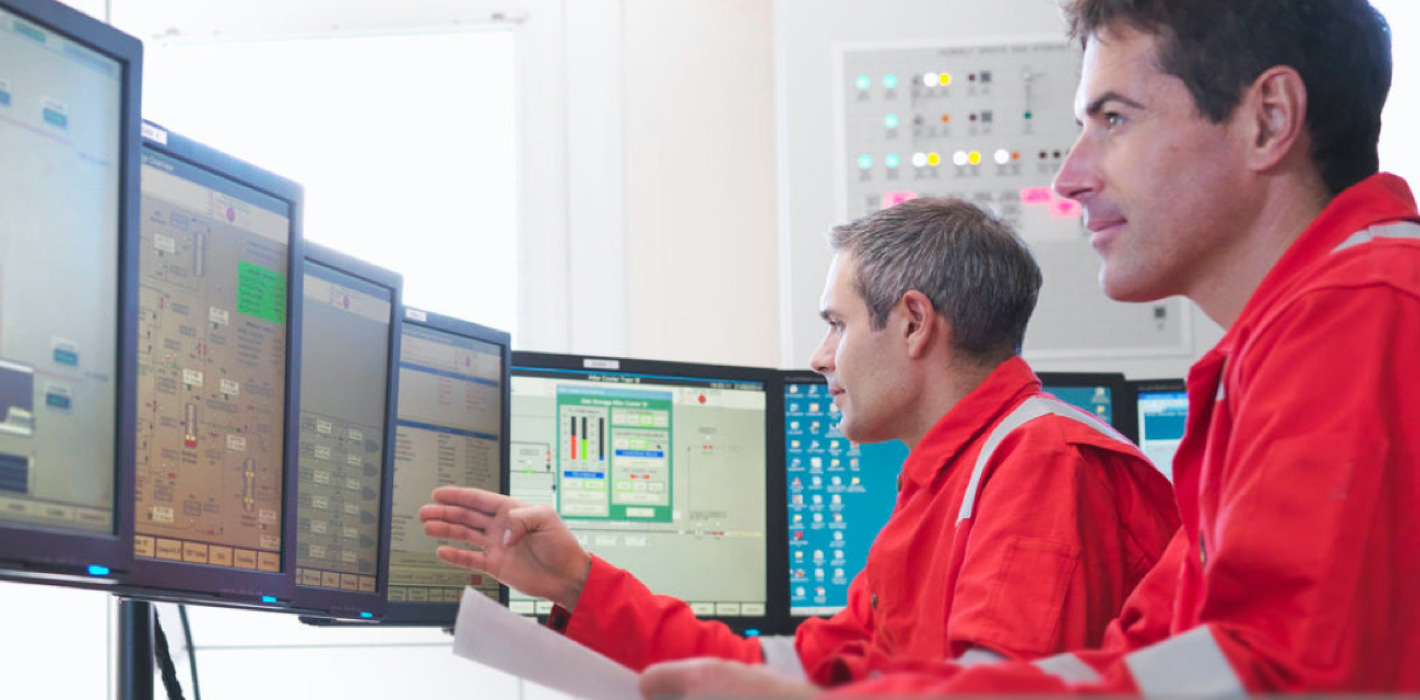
{"x": 165, "y": 661}
{"x": 191, "y": 651}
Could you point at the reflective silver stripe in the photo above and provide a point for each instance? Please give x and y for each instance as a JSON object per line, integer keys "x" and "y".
{"x": 1188, "y": 665}
{"x": 1068, "y": 668}
{"x": 1029, "y": 410}
{"x": 978, "y": 655}
{"x": 1401, "y": 229}
{"x": 780, "y": 655}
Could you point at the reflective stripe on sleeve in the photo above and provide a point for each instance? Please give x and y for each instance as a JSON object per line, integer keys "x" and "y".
{"x": 1401, "y": 229}
{"x": 1029, "y": 410}
{"x": 979, "y": 655}
{"x": 1068, "y": 668}
{"x": 1188, "y": 665}
{"x": 780, "y": 655}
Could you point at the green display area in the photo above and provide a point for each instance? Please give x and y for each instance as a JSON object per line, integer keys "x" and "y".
{"x": 614, "y": 456}
{"x": 261, "y": 292}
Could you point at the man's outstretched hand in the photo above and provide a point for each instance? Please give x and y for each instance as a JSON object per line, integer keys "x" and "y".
{"x": 527, "y": 547}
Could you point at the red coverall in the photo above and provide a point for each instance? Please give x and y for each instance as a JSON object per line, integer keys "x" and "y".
{"x": 1298, "y": 565}
{"x": 1064, "y": 521}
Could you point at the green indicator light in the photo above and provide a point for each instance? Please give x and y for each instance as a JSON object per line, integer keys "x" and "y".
{"x": 890, "y": 121}
{"x": 890, "y": 81}
{"x": 892, "y": 160}
{"x": 864, "y": 82}
{"x": 865, "y": 161}
{"x": 1029, "y": 114}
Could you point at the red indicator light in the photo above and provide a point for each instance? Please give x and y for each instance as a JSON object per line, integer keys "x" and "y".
{"x": 946, "y": 118}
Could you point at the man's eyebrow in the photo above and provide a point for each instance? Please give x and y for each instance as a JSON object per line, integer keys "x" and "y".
{"x": 1098, "y": 103}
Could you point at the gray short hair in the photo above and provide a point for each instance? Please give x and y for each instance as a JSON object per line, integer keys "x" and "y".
{"x": 976, "y": 271}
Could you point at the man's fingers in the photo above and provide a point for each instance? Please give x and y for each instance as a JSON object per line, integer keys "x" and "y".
{"x": 473, "y": 519}
{"x": 463, "y": 557}
{"x": 443, "y": 530}
{"x": 475, "y": 499}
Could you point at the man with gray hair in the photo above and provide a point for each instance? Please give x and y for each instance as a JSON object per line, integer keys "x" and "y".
{"x": 1021, "y": 523}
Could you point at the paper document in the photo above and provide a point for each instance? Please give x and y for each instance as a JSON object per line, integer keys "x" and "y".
{"x": 498, "y": 638}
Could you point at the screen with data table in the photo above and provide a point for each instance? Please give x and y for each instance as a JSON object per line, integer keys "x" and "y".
{"x": 451, "y": 431}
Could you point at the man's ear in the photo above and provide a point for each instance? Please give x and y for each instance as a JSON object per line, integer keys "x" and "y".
{"x": 1275, "y": 110}
{"x": 921, "y": 328}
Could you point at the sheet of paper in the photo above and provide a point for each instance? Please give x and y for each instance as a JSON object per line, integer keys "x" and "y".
{"x": 498, "y": 638}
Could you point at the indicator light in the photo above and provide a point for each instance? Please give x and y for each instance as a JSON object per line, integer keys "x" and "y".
{"x": 892, "y": 161}
{"x": 864, "y": 82}
{"x": 974, "y": 157}
{"x": 367, "y": 616}
{"x": 959, "y": 158}
{"x": 890, "y": 121}
{"x": 865, "y": 161}
{"x": 268, "y": 599}
{"x": 945, "y": 79}
{"x": 946, "y": 118}
{"x": 1030, "y": 114}
{"x": 1003, "y": 156}
{"x": 890, "y": 81}
{"x": 930, "y": 79}
{"x": 98, "y": 570}
{"x": 934, "y": 159}
{"x": 919, "y": 160}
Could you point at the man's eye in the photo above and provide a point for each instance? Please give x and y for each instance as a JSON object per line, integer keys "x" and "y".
{"x": 1114, "y": 118}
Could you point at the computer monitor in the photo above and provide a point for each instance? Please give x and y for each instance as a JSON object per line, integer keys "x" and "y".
{"x": 69, "y": 124}
{"x": 452, "y": 429}
{"x": 1163, "y": 413}
{"x": 221, "y": 272}
{"x": 840, "y": 494}
{"x": 662, "y": 469}
{"x": 1105, "y": 395}
{"x": 349, "y": 346}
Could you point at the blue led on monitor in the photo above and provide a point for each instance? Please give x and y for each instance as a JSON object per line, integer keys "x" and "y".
{"x": 840, "y": 496}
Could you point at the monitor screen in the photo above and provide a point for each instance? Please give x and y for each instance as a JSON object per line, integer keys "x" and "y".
{"x": 1163, "y": 413}
{"x": 68, "y": 186}
{"x": 840, "y": 495}
{"x": 347, "y": 331}
{"x": 216, "y": 271}
{"x": 1106, "y": 396}
{"x": 657, "y": 468}
{"x": 452, "y": 430}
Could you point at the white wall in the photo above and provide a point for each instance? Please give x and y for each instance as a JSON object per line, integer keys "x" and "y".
{"x": 805, "y": 33}
{"x": 700, "y": 190}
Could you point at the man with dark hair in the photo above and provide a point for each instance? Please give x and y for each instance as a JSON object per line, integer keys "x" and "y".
{"x": 1228, "y": 154}
{"x": 1021, "y": 523}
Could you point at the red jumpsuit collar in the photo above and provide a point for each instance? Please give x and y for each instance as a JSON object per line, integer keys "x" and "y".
{"x": 964, "y": 423}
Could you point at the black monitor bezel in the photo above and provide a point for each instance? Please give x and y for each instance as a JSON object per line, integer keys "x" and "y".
{"x": 1123, "y": 407}
{"x": 351, "y": 604}
{"x": 63, "y": 557}
{"x": 407, "y": 614}
{"x": 161, "y": 580}
{"x": 776, "y": 608}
